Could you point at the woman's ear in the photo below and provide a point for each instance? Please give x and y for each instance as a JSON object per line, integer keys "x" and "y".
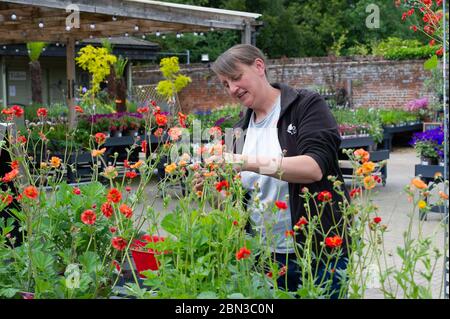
{"x": 260, "y": 66}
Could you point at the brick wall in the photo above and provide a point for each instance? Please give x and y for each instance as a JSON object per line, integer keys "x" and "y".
{"x": 374, "y": 82}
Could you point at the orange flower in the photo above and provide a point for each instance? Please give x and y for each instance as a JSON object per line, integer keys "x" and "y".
{"x": 368, "y": 167}
{"x": 55, "y": 161}
{"x": 158, "y": 132}
{"x": 137, "y": 164}
{"x": 107, "y": 209}
{"x": 418, "y": 183}
{"x": 31, "y": 192}
{"x": 243, "y": 253}
{"x": 369, "y": 182}
{"x": 88, "y": 217}
{"x": 114, "y": 195}
{"x": 15, "y": 165}
{"x": 7, "y": 199}
{"x": 78, "y": 109}
{"x": 100, "y": 138}
{"x": 96, "y": 153}
{"x": 170, "y": 168}
{"x": 443, "y": 195}
{"x": 362, "y": 155}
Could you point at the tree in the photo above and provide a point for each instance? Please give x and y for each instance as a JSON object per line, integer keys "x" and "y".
{"x": 34, "y": 52}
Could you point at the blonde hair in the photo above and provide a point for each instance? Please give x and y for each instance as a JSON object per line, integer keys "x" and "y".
{"x": 227, "y": 63}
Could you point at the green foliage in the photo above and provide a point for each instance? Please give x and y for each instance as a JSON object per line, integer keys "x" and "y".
{"x": 97, "y": 61}
{"x": 35, "y": 49}
{"x": 174, "y": 81}
{"x": 398, "y": 49}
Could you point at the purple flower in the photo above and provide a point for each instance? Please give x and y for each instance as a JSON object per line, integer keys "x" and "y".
{"x": 84, "y": 90}
{"x": 434, "y": 136}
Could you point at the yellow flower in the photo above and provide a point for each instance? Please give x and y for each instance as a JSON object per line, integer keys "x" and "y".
{"x": 170, "y": 168}
{"x": 96, "y": 153}
{"x": 43, "y": 165}
{"x": 199, "y": 193}
{"x": 422, "y": 204}
{"x": 418, "y": 183}
{"x": 369, "y": 182}
{"x": 55, "y": 161}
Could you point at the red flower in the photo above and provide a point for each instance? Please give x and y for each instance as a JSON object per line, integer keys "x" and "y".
{"x": 112, "y": 229}
{"x": 15, "y": 165}
{"x": 235, "y": 223}
{"x": 144, "y": 145}
{"x": 76, "y": 191}
{"x": 440, "y": 51}
{"x": 18, "y": 111}
{"x": 107, "y": 209}
{"x": 42, "y": 111}
{"x": 377, "y": 220}
{"x": 31, "y": 192}
{"x": 377, "y": 179}
{"x": 10, "y": 176}
{"x": 126, "y": 211}
{"x": 333, "y": 242}
{"x": 131, "y": 174}
{"x": 144, "y": 109}
{"x": 355, "y": 192}
{"x": 78, "y": 109}
{"x": 88, "y": 217}
{"x": 289, "y": 233}
{"x": 116, "y": 264}
{"x": 182, "y": 118}
{"x": 281, "y": 205}
{"x": 324, "y": 196}
{"x": 7, "y": 199}
{"x": 221, "y": 185}
{"x": 114, "y": 195}
{"x": 161, "y": 119}
{"x": 21, "y": 139}
{"x": 128, "y": 188}
{"x": 126, "y": 164}
{"x": 153, "y": 103}
{"x": 100, "y": 138}
{"x": 119, "y": 243}
{"x": 243, "y": 253}
{"x": 301, "y": 222}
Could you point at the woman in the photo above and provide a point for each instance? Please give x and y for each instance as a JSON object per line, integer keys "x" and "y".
{"x": 291, "y": 142}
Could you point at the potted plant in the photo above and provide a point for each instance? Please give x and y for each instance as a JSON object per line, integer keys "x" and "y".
{"x": 428, "y": 144}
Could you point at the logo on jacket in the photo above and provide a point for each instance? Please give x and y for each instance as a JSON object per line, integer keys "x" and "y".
{"x": 292, "y": 129}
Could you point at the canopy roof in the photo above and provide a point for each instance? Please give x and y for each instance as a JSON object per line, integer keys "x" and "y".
{"x": 45, "y": 20}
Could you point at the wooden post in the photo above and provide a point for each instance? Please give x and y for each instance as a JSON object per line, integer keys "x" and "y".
{"x": 70, "y": 49}
{"x": 246, "y": 37}
{"x": 4, "y": 86}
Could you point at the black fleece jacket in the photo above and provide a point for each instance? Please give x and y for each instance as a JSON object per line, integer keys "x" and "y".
{"x": 307, "y": 127}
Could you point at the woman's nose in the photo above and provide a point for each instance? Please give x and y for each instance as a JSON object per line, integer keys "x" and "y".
{"x": 233, "y": 88}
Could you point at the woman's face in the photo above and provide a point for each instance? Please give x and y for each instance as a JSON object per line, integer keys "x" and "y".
{"x": 245, "y": 85}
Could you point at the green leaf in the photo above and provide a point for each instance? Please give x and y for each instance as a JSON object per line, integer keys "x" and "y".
{"x": 236, "y": 296}
{"x": 171, "y": 224}
{"x": 431, "y": 63}
{"x": 8, "y": 292}
{"x": 43, "y": 261}
{"x": 90, "y": 261}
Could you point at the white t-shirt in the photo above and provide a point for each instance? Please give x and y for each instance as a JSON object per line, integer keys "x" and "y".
{"x": 262, "y": 140}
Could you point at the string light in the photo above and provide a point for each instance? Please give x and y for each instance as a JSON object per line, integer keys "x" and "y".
{"x": 143, "y": 36}
{"x": 163, "y": 37}
{"x": 157, "y": 33}
{"x": 41, "y": 24}
{"x": 178, "y": 35}
{"x": 196, "y": 34}
{"x": 17, "y": 50}
{"x": 4, "y": 47}
{"x": 91, "y": 36}
{"x": 92, "y": 26}
{"x": 57, "y": 44}
{"x": 13, "y": 16}
{"x": 136, "y": 28}
{"x": 68, "y": 28}
{"x": 114, "y": 18}
{"x": 126, "y": 34}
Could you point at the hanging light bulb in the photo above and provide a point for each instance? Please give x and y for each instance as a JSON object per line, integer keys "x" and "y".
{"x": 114, "y": 18}
{"x": 44, "y": 49}
{"x": 13, "y": 16}
{"x": 4, "y": 47}
{"x": 143, "y": 36}
{"x": 136, "y": 28}
{"x": 163, "y": 36}
{"x": 57, "y": 44}
{"x": 126, "y": 34}
{"x": 17, "y": 50}
{"x": 201, "y": 34}
{"x": 212, "y": 29}
{"x": 91, "y": 36}
{"x": 196, "y": 34}
{"x": 92, "y": 26}
{"x": 77, "y": 42}
{"x": 178, "y": 35}
{"x": 157, "y": 33}
{"x": 68, "y": 28}
{"x": 41, "y": 24}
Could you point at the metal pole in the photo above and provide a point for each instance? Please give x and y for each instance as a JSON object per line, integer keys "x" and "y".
{"x": 446, "y": 148}
{"x": 188, "y": 57}
{"x": 4, "y": 85}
